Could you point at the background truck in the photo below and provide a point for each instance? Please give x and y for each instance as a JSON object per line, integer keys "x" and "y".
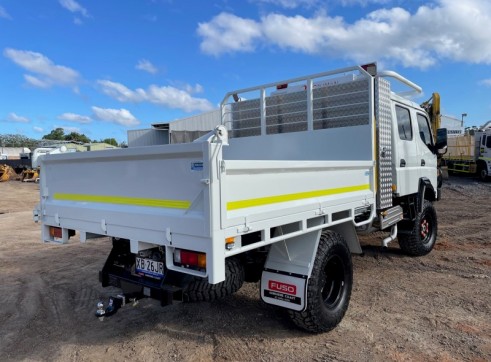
{"x": 470, "y": 152}
{"x": 277, "y": 193}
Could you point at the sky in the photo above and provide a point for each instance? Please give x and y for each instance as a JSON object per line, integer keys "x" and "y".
{"x": 103, "y": 67}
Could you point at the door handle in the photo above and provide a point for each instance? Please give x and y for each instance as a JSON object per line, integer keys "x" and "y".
{"x": 403, "y": 162}
{"x": 423, "y": 162}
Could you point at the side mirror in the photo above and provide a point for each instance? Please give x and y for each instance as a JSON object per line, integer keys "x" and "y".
{"x": 441, "y": 140}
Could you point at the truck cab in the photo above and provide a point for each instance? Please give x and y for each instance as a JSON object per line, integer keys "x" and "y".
{"x": 414, "y": 156}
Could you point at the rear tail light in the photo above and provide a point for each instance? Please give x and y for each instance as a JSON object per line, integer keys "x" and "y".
{"x": 55, "y": 232}
{"x": 190, "y": 259}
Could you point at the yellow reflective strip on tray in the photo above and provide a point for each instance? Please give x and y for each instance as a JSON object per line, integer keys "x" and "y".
{"x": 242, "y": 204}
{"x": 123, "y": 200}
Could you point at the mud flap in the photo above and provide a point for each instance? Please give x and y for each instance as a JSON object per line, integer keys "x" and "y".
{"x": 285, "y": 291}
{"x": 287, "y": 269}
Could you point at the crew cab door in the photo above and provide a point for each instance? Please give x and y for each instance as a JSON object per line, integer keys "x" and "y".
{"x": 406, "y": 158}
{"x": 425, "y": 145}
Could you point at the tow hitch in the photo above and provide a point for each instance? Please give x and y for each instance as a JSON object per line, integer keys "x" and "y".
{"x": 115, "y": 303}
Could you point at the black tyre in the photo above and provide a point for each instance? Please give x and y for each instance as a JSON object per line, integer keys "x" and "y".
{"x": 329, "y": 286}
{"x": 483, "y": 172}
{"x": 419, "y": 238}
{"x": 200, "y": 290}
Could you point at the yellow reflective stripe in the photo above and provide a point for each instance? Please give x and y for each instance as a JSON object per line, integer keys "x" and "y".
{"x": 241, "y": 204}
{"x": 485, "y": 158}
{"x": 123, "y": 200}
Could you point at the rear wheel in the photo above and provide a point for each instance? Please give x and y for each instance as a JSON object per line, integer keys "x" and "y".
{"x": 419, "y": 238}
{"x": 200, "y": 290}
{"x": 329, "y": 286}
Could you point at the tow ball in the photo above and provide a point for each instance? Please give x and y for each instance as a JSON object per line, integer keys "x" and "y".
{"x": 114, "y": 304}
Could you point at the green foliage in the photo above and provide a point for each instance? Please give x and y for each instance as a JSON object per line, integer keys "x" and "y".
{"x": 17, "y": 140}
{"x": 57, "y": 134}
{"x": 77, "y": 137}
{"x": 110, "y": 141}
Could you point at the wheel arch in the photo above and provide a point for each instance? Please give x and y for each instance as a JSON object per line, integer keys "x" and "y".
{"x": 481, "y": 163}
{"x": 426, "y": 191}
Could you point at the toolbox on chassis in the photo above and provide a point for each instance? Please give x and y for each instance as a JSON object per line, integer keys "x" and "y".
{"x": 277, "y": 193}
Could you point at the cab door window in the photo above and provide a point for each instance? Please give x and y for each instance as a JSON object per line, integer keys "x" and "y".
{"x": 404, "y": 123}
{"x": 488, "y": 142}
{"x": 424, "y": 130}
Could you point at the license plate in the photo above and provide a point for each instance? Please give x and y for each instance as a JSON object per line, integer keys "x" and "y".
{"x": 150, "y": 267}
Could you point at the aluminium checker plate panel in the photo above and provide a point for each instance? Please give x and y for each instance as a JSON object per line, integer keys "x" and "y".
{"x": 383, "y": 117}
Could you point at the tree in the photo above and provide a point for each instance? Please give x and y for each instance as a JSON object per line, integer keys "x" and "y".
{"x": 110, "y": 141}
{"x": 57, "y": 134}
{"x": 17, "y": 140}
{"x": 77, "y": 137}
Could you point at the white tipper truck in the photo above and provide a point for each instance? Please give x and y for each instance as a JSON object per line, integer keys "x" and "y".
{"x": 277, "y": 193}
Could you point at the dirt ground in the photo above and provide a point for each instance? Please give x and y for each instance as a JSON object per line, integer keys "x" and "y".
{"x": 432, "y": 308}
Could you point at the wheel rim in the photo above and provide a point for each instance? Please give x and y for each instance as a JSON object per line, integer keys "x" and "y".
{"x": 334, "y": 283}
{"x": 484, "y": 174}
{"x": 426, "y": 229}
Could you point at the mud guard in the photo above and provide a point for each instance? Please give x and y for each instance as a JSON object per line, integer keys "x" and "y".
{"x": 424, "y": 185}
{"x": 287, "y": 269}
{"x": 289, "y": 266}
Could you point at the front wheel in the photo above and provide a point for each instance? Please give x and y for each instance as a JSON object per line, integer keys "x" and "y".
{"x": 329, "y": 286}
{"x": 483, "y": 172}
{"x": 419, "y": 238}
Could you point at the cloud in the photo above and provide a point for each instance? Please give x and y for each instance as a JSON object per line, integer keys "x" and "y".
{"x": 38, "y": 129}
{"x": 12, "y": 117}
{"x": 227, "y": 33}
{"x": 449, "y": 29}
{"x": 485, "y": 82}
{"x": 4, "y": 14}
{"x": 72, "y": 117}
{"x": 197, "y": 88}
{"x": 74, "y": 7}
{"x": 290, "y": 4}
{"x": 162, "y": 95}
{"x": 47, "y": 74}
{"x": 119, "y": 116}
{"x": 363, "y": 2}
{"x": 189, "y": 88}
{"x": 146, "y": 66}
{"x": 36, "y": 82}
{"x": 293, "y": 4}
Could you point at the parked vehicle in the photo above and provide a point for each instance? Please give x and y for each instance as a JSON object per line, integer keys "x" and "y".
{"x": 277, "y": 193}
{"x": 470, "y": 153}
